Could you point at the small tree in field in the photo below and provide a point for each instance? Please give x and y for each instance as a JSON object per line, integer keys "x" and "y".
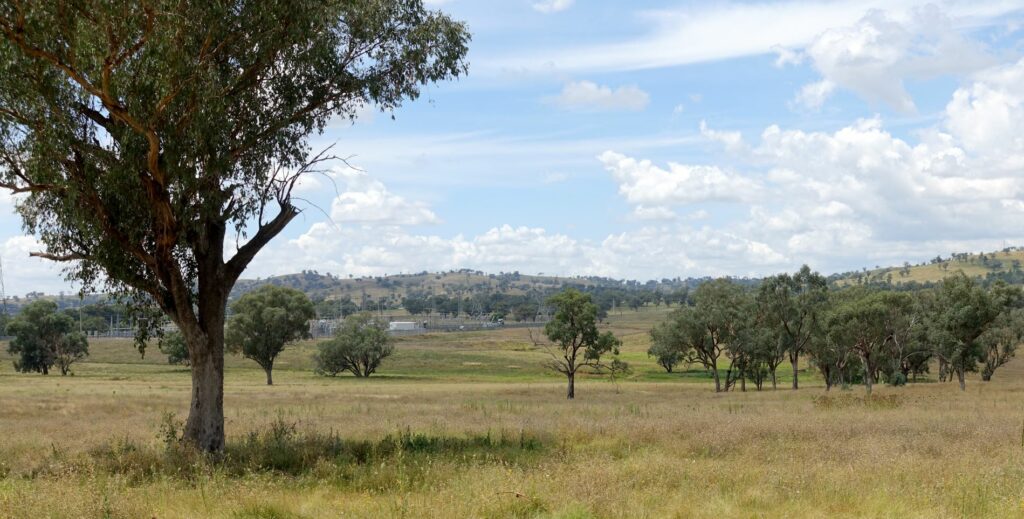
{"x": 265, "y": 321}
{"x": 43, "y": 338}
{"x": 358, "y": 347}
{"x": 575, "y": 340}
{"x": 666, "y": 352}
{"x": 157, "y": 143}
{"x": 173, "y": 345}
{"x": 70, "y": 349}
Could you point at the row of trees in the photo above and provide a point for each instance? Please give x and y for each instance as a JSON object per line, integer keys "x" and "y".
{"x": 528, "y": 306}
{"x": 263, "y": 323}
{"x": 853, "y": 335}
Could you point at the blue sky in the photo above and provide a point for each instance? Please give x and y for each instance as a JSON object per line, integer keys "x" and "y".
{"x": 662, "y": 139}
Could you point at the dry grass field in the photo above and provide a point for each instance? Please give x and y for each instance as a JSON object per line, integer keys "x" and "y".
{"x": 468, "y": 425}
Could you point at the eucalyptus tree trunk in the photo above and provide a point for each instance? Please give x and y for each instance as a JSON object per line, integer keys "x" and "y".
{"x": 869, "y": 378}
{"x": 961, "y": 377}
{"x": 571, "y": 391}
{"x": 203, "y": 329}
{"x": 794, "y": 360}
{"x": 204, "y": 427}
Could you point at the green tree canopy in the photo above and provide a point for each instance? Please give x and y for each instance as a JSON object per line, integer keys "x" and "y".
{"x": 999, "y": 343}
{"x": 959, "y": 312}
{"x": 795, "y": 303}
{"x": 264, "y": 321}
{"x": 576, "y": 340}
{"x": 869, "y": 323}
{"x": 145, "y": 134}
{"x": 358, "y": 347}
{"x": 173, "y": 345}
{"x": 43, "y": 337}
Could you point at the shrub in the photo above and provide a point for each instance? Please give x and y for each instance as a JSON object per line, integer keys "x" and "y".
{"x": 173, "y": 345}
{"x": 358, "y": 347}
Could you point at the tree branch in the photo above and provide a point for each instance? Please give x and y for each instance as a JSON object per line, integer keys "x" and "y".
{"x": 59, "y": 257}
{"x": 264, "y": 234}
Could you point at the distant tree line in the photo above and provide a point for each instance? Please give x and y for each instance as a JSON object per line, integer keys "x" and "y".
{"x": 854, "y": 335}
{"x": 740, "y": 332}
{"x": 533, "y": 305}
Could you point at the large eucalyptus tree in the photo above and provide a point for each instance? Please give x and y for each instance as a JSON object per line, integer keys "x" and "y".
{"x": 144, "y": 133}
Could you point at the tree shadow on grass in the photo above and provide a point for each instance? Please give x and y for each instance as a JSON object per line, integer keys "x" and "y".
{"x": 282, "y": 448}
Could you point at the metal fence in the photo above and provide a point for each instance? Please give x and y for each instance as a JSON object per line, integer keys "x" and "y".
{"x": 326, "y": 327}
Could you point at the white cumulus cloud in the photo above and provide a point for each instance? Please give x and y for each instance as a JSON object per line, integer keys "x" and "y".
{"x": 643, "y": 183}
{"x": 366, "y": 200}
{"x": 874, "y": 56}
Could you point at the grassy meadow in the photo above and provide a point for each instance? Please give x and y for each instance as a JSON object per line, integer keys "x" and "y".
{"x": 470, "y": 425}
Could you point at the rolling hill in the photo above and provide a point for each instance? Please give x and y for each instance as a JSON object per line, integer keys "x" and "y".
{"x": 464, "y": 282}
{"x": 1007, "y": 264}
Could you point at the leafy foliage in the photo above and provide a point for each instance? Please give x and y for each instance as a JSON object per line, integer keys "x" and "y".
{"x": 666, "y": 354}
{"x": 173, "y": 345}
{"x": 144, "y": 133}
{"x": 576, "y": 341}
{"x": 959, "y": 312}
{"x": 795, "y": 303}
{"x": 999, "y": 343}
{"x": 868, "y": 324}
{"x": 264, "y": 321}
{"x": 358, "y": 347}
{"x": 709, "y": 328}
{"x": 43, "y": 337}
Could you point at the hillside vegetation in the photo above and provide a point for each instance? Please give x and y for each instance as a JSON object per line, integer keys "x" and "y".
{"x": 398, "y": 286}
{"x": 1007, "y": 263}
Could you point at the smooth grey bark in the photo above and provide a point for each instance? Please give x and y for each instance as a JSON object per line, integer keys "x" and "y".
{"x": 204, "y": 427}
{"x": 869, "y": 376}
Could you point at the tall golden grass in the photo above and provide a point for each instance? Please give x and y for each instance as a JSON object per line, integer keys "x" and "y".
{"x": 92, "y": 446}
